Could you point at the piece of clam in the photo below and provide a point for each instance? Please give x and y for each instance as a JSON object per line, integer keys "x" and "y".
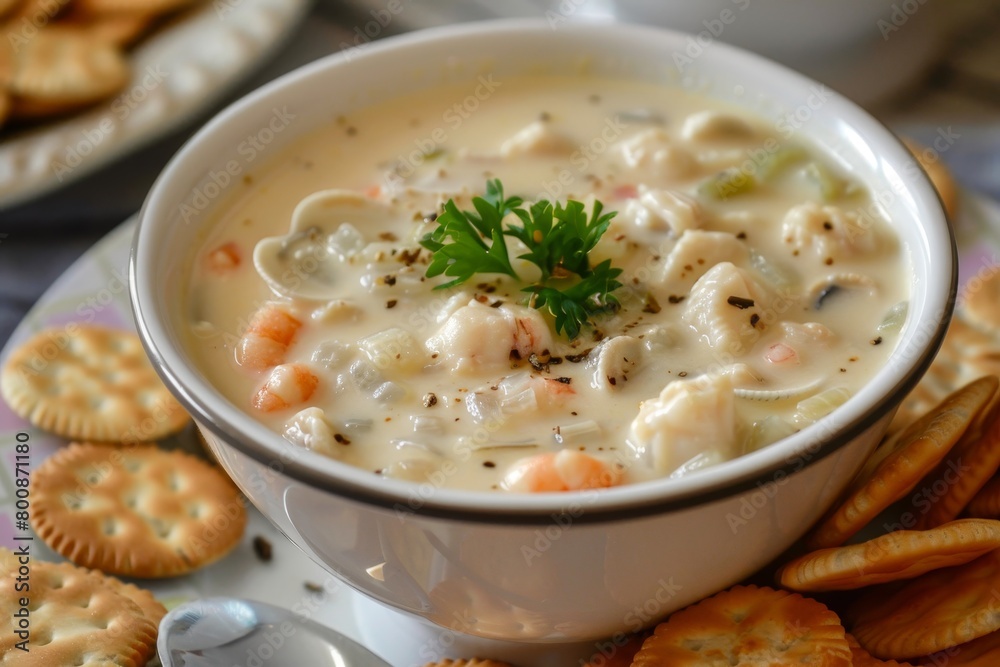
{"x": 822, "y": 291}
{"x": 305, "y": 263}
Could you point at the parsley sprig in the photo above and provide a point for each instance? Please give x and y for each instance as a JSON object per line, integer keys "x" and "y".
{"x": 558, "y": 239}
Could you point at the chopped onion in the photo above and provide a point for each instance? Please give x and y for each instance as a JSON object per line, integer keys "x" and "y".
{"x": 768, "y": 430}
{"x": 696, "y": 463}
{"x": 816, "y": 407}
{"x": 426, "y": 424}
{"x": 483, "y": 407}
{"x": 571, "y": 432}
{"x": 523, "y": 401}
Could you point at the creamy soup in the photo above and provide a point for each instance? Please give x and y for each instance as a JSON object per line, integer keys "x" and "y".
{"x": 744, "y": 288}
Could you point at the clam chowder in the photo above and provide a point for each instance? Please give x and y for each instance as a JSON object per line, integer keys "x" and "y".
{"x": 744, "y": 287}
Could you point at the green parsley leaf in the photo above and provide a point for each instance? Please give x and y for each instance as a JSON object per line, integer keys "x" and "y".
{"x": 558, "y": 239}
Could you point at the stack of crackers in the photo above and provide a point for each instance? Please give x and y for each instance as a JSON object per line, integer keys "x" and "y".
{"x": 59, "y": 56}
{"x": 111, "y": 502}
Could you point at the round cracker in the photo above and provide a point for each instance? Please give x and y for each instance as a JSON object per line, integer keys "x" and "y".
{"x": 986, "y": 503}
{"x": 962, "y": 474}
{"x": 898, "y": 467}
{"x": 747, "y": 625}
{"x": 62, "y": 68}
{"x": 8, "y": 6}
{"x": 979, "y": 301}
{"x": 137, "y": 512}
{"x": 132, "y": 6}
{"x": 982, "y": 652}
{"x": 930, "y": 160}
{"x": 616, "y": 655}
{"x": 90, "y": 383}
{"x": 76, "y": 619}
{"x": 903, "y": 554}
{"x": 121, "y": 29}
{"x": 931, "y": 613}
{"x": 862, "y": 658}
{"x": 149, "y": 605}
{"x": 966, "y": 354}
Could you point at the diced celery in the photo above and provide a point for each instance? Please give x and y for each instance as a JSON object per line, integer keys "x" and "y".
{"x": 776, "y": 162}
{"x": 727, "y": 183}
{"x": 893, "y": 320}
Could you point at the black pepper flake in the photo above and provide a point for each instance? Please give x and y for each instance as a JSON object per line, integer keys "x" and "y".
{"x": 612, "y": 381}
{"x": 754, "y": 319}
{"x": 312, "y": 587}
{"x": 877, "y": 341}
{"x": 539, "y": 363}
{"x": 682, "y": 374}
{"x": 843, "y": 370}
{"x": 262, "y": 547}
{"x": 740, "y": 302}
{"x": 514, "y": 355}
{"x": 652, "y": 305}
{"x": 430, "y": 399}
{"x": 391, "y": 303}
{"x": 431, "y": 217}
{"x": 496, "y": 304}
{"x": 577, "y": 358}
{"x": 408, "y": 257}
{"x": 742, "y": 236}
{"x": 828, "y": 261}
{"x": 827, "y": 225}
{"x": 489, "y": 464}
{"x": 574, "y": 413}
{"x": 387, "y": 236}
{"x": 675, "y": 298}
{"x": 564, "y": 380}
{"x": 341, "y": 439}
{"x": 389, "y": 280}
{"x": 598, "y": 335}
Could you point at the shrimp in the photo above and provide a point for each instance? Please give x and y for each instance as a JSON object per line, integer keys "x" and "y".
{"x": 266, "y": 339}
{"x": 477, "y": 336}
{"x": 223, "y": 259}
{"x": 287, "y": 385}
{"x": 565, "y": 470}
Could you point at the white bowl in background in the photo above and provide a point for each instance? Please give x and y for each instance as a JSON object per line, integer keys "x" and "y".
{"x": 545, "y": 568}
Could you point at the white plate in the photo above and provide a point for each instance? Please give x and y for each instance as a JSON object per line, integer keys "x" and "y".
{"x": 178, "y": 72}
{"x": 94, "y": 290}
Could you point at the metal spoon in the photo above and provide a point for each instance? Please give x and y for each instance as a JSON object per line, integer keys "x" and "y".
{"x": 222, "y": 632}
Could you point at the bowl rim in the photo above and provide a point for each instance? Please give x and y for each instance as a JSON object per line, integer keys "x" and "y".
{"x": 737, "y": 476}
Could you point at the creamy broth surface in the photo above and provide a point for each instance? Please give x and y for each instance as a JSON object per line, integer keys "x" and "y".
{"x": 761, "y": 289}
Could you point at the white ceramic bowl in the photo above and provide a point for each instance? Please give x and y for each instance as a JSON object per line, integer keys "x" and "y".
{"x": 550, "y": 567}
